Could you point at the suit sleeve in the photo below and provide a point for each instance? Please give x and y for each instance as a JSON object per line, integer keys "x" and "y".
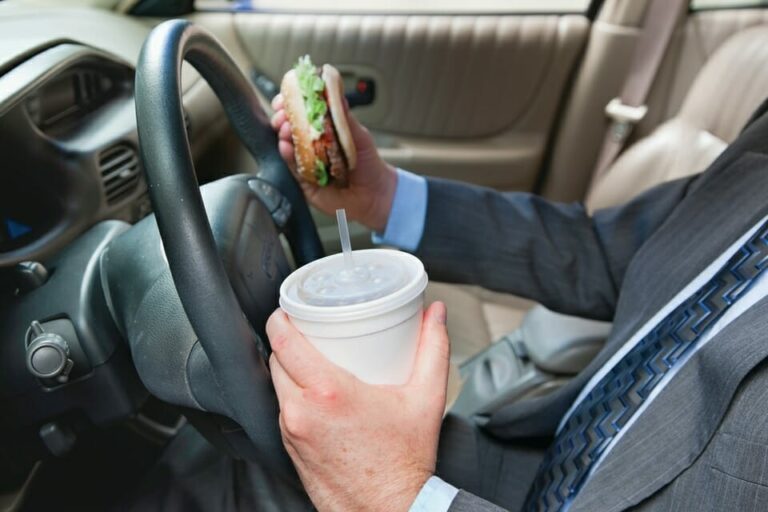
{"x": 554, "y": 253}
{"x": 465, "y": 502}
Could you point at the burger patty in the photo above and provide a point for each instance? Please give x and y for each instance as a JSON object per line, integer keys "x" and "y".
{"x": 328, "y": 150}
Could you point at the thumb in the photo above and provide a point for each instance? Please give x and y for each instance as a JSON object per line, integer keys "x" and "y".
{"x": 433, "y": 356}
{"x": 360, "y": 133}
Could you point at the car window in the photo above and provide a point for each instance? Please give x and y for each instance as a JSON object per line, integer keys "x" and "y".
{"x": 403, "y": 6}
{"x": 726, "y": 4}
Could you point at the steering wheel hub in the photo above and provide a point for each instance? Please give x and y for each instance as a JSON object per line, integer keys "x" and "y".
{"x": 205, "y": 270}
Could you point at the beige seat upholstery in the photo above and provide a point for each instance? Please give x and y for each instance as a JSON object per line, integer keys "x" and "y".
{"x": 726, "y": 91}
{"x": 477, "y": 316}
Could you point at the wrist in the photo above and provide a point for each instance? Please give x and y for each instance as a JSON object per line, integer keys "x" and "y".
{"x": 385, "y": 195}
{"x": 404, "y": 491}
{"x": 413, "y": 490}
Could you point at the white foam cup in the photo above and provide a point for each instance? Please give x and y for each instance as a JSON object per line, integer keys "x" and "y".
{"x": 366, "y": 320}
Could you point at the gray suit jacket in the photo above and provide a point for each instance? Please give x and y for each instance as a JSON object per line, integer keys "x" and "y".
{"x": 703, "y": 442}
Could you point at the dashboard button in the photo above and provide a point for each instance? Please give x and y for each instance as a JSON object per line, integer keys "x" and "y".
{"x": 48, "y": 356}
{"x": 267, "y": 193}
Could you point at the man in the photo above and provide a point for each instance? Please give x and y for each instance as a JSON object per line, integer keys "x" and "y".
{"x": 671, "y": 415}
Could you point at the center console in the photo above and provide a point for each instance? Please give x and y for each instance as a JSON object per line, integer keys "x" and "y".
{"x": 544, "y": 353}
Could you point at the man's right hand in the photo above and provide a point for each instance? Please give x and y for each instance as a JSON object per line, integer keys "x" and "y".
{"x": 372, "y": 184}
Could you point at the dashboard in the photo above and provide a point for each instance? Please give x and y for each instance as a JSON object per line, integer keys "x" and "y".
{"x": 67, "y": 126}
{"x": 19, "y": 223}
{"x": 67, "y": 131}
{"x": 60, "y": 177}
{"x": 71, "y": 181}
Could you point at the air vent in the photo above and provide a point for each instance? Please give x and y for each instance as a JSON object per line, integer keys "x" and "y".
{"x": 119, "y": 167}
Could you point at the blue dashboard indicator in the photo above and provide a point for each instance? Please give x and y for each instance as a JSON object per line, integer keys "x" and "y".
{"x": 16, "y": 229}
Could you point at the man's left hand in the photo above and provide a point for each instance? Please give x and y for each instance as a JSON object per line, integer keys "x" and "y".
{"x": 358, "y": 446}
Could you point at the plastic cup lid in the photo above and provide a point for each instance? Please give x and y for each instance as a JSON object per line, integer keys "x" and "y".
{"x": 332, "y": 284}
{"x": 326, "y": 289}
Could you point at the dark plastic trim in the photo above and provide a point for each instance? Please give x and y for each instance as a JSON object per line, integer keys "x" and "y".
{"x": 209, "y": 301}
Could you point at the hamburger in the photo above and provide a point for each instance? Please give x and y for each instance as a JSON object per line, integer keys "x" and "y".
{"x": 313, "y": 99}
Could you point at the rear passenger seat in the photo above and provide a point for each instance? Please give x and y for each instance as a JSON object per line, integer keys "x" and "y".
{"x": 729, "y": 87}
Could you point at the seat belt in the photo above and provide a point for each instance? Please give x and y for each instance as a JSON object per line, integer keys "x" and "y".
{"x": 629, "y": 107}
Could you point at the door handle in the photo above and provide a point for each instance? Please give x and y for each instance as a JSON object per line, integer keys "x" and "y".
{"x": 363, "y": 93}
{"x": 264, "y": 84}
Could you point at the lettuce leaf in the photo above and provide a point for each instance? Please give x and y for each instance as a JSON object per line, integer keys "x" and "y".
{"x": 312, "y": 87}
{"x": 321, "y": 174}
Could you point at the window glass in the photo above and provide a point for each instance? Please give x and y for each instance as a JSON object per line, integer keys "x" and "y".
{"x": 404, "y": 6}
{"x": 726, "y": 4}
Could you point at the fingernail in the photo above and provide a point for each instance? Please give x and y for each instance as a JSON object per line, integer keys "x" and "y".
{"x": 276, "y": 329}
{"x": 276, "y": 319}
{"x": 440, "y": 313}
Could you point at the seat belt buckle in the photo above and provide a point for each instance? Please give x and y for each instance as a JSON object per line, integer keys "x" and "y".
{"x": 624, "y": 118}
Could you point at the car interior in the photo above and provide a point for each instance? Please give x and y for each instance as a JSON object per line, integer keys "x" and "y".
{"x": 117, "y": 279}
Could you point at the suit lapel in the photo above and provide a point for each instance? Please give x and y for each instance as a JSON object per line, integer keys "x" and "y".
{"x": 672, "y": 432}
{"x": 676, "y": 427}
{"x": 723, "y": 206}
{"x": 668, "y": 436}
{"x": 727, "y": 201}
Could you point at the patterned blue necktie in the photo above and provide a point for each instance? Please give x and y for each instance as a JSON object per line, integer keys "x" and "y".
{"x": 599, "y": 417}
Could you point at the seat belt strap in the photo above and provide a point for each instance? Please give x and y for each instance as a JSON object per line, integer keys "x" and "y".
{"x": 629, "y": 108}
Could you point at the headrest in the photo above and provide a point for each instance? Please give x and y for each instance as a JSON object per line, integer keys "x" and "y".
{"x": 730, "y": 86}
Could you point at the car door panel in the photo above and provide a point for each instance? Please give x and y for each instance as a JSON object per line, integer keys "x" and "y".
{"x": 468, "y": 97}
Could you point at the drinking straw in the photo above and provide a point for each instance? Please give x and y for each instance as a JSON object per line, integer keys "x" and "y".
{"x": 346, "y": 245}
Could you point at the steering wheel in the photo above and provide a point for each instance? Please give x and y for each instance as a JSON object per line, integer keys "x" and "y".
{"x": 237, "y": 370}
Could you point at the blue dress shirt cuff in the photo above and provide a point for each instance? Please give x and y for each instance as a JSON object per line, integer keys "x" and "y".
{"x": 405, "y": 225}
{"x": 435, "y": 496}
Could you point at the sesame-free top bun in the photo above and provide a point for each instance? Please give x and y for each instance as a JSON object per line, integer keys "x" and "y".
{"x": 335, "y": 94}
{"x": 300, "y": 130}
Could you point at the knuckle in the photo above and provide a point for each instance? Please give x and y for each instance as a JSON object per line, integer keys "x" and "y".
{"x": 324, "y": 394}
{"x": 327, "y": 395}
{"x": 293, "y": 421}
{"x": 277, "y": 336}
{"x": 278, "y": 341}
